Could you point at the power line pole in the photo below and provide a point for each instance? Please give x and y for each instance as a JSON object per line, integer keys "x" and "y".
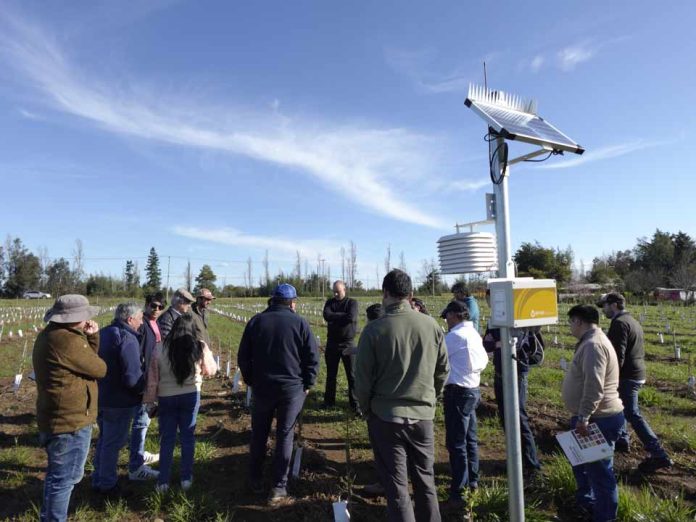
{"x": 169, "y": 260}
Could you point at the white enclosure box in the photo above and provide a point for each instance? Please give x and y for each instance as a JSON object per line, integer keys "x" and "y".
{"x": 523, "y": 302}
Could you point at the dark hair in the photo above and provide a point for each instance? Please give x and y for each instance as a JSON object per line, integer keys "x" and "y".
{"x": 460, "y": 288}
{"x": 464, "y": 315}
{"x": 281, "y": 301}
{"x": 586, "y": 313}
{"x": 373, "y": 311}
{"x": 183, "y": 349}
{"x": 397, "y": 283}
{"x": 420, "y": 305}
{"x": 157, "y": 296}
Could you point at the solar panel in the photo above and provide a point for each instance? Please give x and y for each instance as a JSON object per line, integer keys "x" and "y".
{"x": 514, "y": 119}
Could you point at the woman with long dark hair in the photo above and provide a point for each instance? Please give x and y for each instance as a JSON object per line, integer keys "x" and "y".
{"x": 174, "y": 381}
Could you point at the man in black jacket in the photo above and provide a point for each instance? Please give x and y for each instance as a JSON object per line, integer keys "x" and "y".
{"x": 181, "y": 304}
{"x": 278, "y": 358}
{"x": 341, "y": 316}
{"x": 626, "y": 335}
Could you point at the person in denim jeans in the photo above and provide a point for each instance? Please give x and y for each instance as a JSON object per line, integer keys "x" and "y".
{"x": 121, "y": 394}
{"x": 467, "y": 359}
{"x": 590, "y": 393}
{"x": 67, "y": 368}
{"x": 626, "y": 335}
{"x": 174, "y": 380}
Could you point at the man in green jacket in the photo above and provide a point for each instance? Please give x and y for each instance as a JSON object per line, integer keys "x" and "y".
{"x": 400, "y": 370}
{"x": 67, "y": 367}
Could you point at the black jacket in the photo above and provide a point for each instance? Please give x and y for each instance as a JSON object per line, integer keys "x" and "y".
{"x": 626, "y": 335}
{"x": 278, "y": 352}
{"x": 342, "y": 318}
{"x": 492, "y": 336}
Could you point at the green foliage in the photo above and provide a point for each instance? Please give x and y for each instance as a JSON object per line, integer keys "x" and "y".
{"x": 645, "y": 506}
{"x": 536, "y": 261}
{"x": 22, "y": 270}
{"x": 206, "y": 279}
{"x": 153, "y": 274}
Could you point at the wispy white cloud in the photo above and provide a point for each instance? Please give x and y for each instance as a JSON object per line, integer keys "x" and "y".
{"x": 308, "y": 248}
{"x": 603, "y": 153}
{"x": 469, "y": 185}
{"x": 361, "y": 163}
{"x": 536, "y": 63}
{"x": 569, "y": 57}
{"x": 29, "y": 114}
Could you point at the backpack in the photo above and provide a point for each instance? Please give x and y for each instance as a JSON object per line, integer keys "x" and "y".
{"x": 531, "y": 348}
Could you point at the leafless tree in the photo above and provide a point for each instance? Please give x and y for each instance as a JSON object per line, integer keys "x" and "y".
{"x": 402, "y": 261}
{"x": 387, "y": 260}
{"x": 78, "y": 260}
{"x": 343, "y": 263}
{"x": 266, "y": 273}
{"x": 249, "y": 277}
{"x": 352, "y": 265}
{"x": 684, "y": 276}
{"x": 188, "y": 276}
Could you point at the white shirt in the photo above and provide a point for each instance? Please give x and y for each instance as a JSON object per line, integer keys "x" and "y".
{"x": 467, "y": 356}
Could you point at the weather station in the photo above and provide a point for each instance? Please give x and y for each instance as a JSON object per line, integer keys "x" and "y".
{"x": 515, "y": 302}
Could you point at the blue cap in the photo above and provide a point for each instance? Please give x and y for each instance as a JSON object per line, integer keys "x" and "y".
{"x": 285, "y": 291}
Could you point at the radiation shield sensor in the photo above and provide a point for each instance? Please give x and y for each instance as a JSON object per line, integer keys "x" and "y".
{"x": 523, "y": 302}
{"x": 512, "y": 118}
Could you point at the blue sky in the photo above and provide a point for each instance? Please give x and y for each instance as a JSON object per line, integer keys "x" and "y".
{"x": 214, "y": 131}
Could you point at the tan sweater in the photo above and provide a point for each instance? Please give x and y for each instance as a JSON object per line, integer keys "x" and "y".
{"x": 591, "y": 385}
{"x": 161, "y": 381}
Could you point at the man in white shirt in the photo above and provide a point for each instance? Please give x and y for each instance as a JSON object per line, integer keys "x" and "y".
{"x": 467, "y": 358}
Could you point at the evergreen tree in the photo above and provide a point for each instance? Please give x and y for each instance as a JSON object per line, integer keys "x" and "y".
{"x": 22, "y": 269}
{"x": 130, "y": 278}
{"x": 153, "y": 274}
{"x": 206, "y": 279}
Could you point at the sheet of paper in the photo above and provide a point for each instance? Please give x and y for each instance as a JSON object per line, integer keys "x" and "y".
{"x": 581, "y": 450}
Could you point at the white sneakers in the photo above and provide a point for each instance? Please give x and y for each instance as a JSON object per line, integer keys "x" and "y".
{"x": 150, "y": 458}
{"x": 186, "y": 484}
{"x": 144, "y": 472}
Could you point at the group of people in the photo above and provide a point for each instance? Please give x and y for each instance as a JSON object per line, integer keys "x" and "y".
{"x": 151, "y": 362}
{"x": 148, "y": 362}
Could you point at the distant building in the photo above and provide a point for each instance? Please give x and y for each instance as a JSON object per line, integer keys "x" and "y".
{"x": 673, "y": 294}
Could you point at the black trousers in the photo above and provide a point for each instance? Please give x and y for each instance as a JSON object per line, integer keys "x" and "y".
{"x": 334, "y": 355}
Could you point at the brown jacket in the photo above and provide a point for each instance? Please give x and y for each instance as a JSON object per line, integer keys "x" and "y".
{"x": 67, "y": 368}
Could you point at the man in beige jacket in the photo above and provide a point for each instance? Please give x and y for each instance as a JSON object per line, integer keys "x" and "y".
{"x": 590, "y": 393}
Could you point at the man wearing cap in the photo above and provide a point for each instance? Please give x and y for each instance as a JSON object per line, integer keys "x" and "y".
{"x": 181, "y": 303}
{"x": 121, "y": 392}
{"x": 461, "y": 293}
{"x": 590, "y": 395}
{"x": 278, "y": 358}
{"x": 67, "y": 367}
{"x": 341, "y": 316}
{"x": 626, "y": 335}
{"x": 467, "y": 359}
{"x": 200, "y": 307}
{"x": 400, "y": 370}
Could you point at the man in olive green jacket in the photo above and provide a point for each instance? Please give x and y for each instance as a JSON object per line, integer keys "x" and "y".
{"x": 400, "y": 370}
{"x": 67, "y": 367}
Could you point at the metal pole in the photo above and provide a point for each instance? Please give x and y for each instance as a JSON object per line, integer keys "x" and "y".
{"x": 509, "y": 364}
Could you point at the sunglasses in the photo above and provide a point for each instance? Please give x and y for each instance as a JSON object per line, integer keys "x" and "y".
{"x": 157, "y": 306}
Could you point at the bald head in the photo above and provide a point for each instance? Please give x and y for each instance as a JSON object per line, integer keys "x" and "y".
{"x": 339, "y": 289}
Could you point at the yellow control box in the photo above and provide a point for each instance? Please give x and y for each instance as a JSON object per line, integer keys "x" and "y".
{"x": 523, "y": 302}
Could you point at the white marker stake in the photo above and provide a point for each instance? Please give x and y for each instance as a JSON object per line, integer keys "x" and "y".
{"x": 662, "y": 339}
{"x": 235, "y": 381}
{"x": 248, "y": 397}
{"x": 20, "y": 333}
{"x": 296, "y": 462}
{"x": 217, "y": 361}
{"x": 691, "y": 383}
{"x": 227, "y": 371}
{"x": 17, "y": 382}
{"x": 563, "y": 363}
{"x": 340, "y": 511}
{"x": 677, "y": 352}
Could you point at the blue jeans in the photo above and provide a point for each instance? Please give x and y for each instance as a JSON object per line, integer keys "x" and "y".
{"x": 461, "y": 438}
{"x": 596, "y": 482}
{"x": 286, "y": 407}
{"x": 67, "y": 454}
{"x": 114, "y": 424}
{"x": 530, "y": 460}
{"x": 628, "y": 392}
{"x": 177, "y": 412}
{"x": 141, "y": 422}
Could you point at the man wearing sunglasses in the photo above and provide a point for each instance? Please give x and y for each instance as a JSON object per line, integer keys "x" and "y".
{"x": 151, "y": 337}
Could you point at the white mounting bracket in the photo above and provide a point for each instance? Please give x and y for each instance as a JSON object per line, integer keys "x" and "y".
{"x": 543, "y": 150}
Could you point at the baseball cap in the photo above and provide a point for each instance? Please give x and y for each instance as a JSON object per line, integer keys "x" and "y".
{"x": 611, "y": 297}
{"x": 285, "y": 291}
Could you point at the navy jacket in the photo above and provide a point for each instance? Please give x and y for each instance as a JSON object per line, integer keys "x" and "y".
{"x": 278, "y": 352}
{"x": 119, "y": 347}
